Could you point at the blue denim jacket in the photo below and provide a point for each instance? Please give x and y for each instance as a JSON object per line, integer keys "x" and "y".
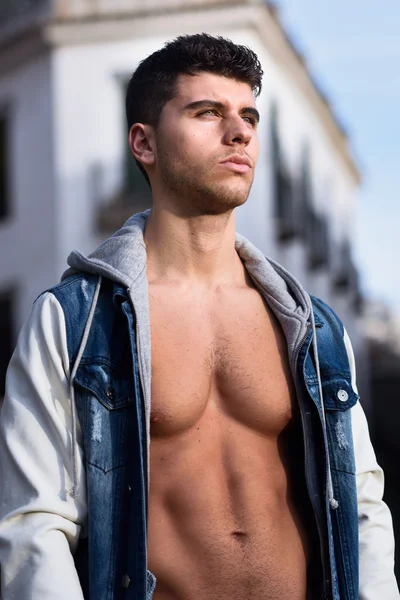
{"x": 112, "y": 559}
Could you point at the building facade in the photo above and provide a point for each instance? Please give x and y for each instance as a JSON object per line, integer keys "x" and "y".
{"x": 66, "y": 177}
{"x": 382, "y": 327}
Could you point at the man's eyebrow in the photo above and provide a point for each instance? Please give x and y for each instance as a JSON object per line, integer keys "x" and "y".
{"x": 198, "y": 104}
{"x": 250, "y": 110}
{"x": 204, "y": 104}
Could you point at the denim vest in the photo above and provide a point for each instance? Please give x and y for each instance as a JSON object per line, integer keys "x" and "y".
{"x": 112, "y": 559}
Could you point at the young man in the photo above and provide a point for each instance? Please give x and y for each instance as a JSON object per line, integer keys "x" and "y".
{"x": 260, "y": 481}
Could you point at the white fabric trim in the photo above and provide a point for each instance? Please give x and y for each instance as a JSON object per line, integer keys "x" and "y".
{"x": 39, "y": 521}
{"x": 376, "y": 539}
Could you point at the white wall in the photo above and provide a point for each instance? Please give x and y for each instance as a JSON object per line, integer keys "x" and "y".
{"x": 27, "y": 238}
{"x": 76, "y": 99}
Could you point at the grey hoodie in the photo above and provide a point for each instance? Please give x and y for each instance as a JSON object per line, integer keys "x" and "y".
{"x": 122, "y": 258}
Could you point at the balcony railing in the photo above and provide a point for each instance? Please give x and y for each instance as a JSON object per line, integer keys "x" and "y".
{"x": 285, "y": 206}
{"x": 317, "y": 240}
{"x": 345, "y": 274}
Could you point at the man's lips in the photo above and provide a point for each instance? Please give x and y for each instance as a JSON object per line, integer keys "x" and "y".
{"x": 239, "y": 164}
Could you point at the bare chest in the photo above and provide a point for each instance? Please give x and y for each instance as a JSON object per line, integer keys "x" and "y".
{"x": 230, "y": 357}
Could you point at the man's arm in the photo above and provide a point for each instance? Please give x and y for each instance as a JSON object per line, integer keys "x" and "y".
{"x": 40, "y": 522}
{"x": 376, "y": 539}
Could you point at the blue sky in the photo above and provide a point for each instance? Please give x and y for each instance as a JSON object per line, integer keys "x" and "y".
{"x": 353, "y": 49}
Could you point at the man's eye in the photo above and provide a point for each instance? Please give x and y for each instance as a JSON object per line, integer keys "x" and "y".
{"x": 209, "y": 111}
{"x": 250, "y": 120}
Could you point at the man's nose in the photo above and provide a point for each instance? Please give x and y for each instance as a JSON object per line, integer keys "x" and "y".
{"x": 238, "y": 131}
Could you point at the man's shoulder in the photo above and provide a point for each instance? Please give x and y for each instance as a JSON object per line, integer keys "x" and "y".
{"x": 332, "y": 349}
{"x": 76, "y": 296}
{"x": 325, "y": 315}
{"x": 78, "y": 290}
{"x": 76, "y": 284}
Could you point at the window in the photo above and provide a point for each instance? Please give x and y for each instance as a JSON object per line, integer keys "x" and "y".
{"x": 314, "y": 225}
{"x": 318, "y": 241}
{"x": 4, "y": 167}
{"x": 305, "y": 200}
{"x": 285, "y": 205}
{"x": 358, "y": 299}
{"x": 344, "y": 272}
{"x": 288, "y": 225}
{"x": 6, "y": 335}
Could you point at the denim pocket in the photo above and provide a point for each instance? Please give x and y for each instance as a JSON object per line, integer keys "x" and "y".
{"x": 338, "y": 398}
{"x": 104, "y": 402}
{"x": 112, "y": 390}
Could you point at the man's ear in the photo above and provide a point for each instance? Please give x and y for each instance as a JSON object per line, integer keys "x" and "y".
{"x": 141, "y": 142}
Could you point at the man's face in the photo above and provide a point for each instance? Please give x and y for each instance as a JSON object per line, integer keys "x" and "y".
{"x": 207, "y": 145}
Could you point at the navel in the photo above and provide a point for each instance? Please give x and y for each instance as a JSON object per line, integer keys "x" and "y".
{"x": 241, "y": 537}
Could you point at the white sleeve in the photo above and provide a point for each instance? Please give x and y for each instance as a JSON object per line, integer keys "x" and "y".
{"x": 40, "y": 522}
{"x": 376, "y": 539}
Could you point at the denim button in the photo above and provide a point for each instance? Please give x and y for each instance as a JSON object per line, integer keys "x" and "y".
{"x": 111, "y": 393}
{"x": 342, "y": 395}
{"x": 126, "y": 582}
{"x": 130, "y": 490}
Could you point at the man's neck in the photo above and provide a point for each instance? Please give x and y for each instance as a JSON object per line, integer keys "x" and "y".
{"x": 197, "y": 250}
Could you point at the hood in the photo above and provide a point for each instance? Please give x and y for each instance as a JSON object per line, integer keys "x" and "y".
{"x": 122, "y": 258}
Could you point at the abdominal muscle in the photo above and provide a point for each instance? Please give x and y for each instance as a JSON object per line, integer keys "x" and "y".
{"x": 222, "y": 523}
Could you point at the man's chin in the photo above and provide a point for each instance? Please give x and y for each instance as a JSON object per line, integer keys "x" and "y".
{"x": 222, "y": 201}
{"x": 233, "y": 195}
{"x": 205, "y": 197}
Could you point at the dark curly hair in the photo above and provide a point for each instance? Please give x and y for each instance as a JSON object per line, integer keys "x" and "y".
{"x": 153, "y": 83}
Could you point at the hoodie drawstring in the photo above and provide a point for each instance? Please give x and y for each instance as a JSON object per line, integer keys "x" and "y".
{"x": 74, "y": 492}
{"x": 332, "y": 502}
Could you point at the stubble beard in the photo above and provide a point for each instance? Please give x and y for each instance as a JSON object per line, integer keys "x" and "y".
{"x": 195, "y": 192}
